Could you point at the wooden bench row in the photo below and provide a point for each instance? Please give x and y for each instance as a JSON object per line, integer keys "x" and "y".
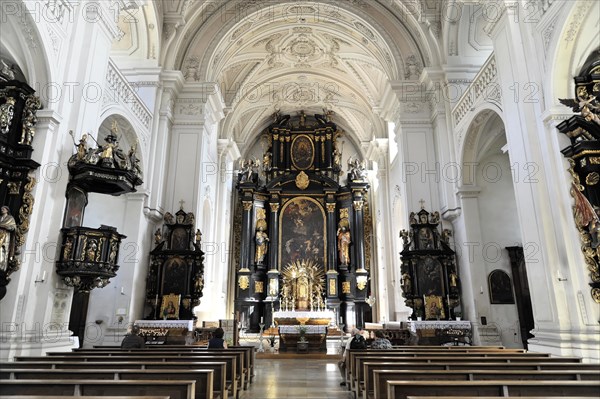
{"x": 87, "y": 397}
{"x": 235, "y": 379}
{"x": 232, "y": 369}
{"x": 405, "y": 389}
{"x": 202, "y": 377}
{"x": 174, "y": 389}
{"x": 377, "y": 373}
{"x": 249, "y": 356}
{"x": 355, "y": 357}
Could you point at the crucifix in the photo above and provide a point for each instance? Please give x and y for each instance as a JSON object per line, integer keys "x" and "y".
{"x": 422, "y": 202}
{"x": 181, "y": 205}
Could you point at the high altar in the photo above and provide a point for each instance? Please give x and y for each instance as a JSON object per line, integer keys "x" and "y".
{"x": 302, "y": 239}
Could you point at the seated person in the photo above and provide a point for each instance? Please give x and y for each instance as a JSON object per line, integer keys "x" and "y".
{"x": 217, "y": 341}
{"x": 380, "y": 341}
{"x": 133, "y": 340}
{"x": 349, "y": 345}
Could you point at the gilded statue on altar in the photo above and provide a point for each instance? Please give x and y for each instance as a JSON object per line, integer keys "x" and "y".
{"x": 303, "y": 286}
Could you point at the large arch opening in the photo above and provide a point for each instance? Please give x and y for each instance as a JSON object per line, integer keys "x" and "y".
{"x": 488, "y": 169}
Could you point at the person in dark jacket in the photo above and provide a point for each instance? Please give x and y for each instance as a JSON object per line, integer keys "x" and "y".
{"x": 133, "y": 340}
{"x": 217, "y": 341}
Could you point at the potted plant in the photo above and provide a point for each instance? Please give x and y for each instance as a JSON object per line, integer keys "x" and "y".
{"x": 302, "y": 344}
{"x": 302, "y": 331}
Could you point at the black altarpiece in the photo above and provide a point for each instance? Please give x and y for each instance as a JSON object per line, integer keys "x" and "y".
{"x": 302, "y": 239}
{"x": 584, "y": 158}
{"x": 430, "y": 282}
{"x": 176, "y": 274}
{"x": 18, "y": 108}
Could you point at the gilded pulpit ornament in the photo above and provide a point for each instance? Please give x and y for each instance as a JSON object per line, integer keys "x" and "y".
{"x": 7, "y": 230}
{"x": 244, "y": 282}
{"x": 32, "y": 105}
{"x": 592, "y": 179}
{"x": 7, "y": 112}
{"x": 302, "y": 181}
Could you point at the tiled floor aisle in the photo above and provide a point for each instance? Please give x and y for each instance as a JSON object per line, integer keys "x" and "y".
{"x": 296, "y": 378}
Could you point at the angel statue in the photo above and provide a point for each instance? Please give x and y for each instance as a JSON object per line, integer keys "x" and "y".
{"x": 587, "y": 104}
{"x": 357, "y": 169}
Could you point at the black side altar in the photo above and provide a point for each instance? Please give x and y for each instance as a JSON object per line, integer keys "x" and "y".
{"x": 292, "y": 214}
{"x": 430, "y": 283}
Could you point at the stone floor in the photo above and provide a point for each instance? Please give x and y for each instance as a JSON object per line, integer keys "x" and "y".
{"x": 296, "y": 378}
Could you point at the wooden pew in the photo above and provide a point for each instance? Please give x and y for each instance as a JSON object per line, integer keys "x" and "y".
{"x": 433, "y": 352}
{"x": 221, "y": 385}
{"x": 494, "y": 397}
{"x": 202, "y": 378}
{"x": 240, "y": 354}
{"x": 250, "y": 350}
{"x": 233, "y": 361}
{"x": 382, "y": 377}
{"x": 403, "y": 389}
{"x": 357, "y": 359}
{"x": 369, "y": 367}
{"x": 175, "y": 389}
{"x": 87, "y": 397}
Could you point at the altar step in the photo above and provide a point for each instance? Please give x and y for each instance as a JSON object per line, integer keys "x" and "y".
{"x": 292, "y": 355}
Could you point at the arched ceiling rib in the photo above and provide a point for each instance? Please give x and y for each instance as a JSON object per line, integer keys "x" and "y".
{"x": 269, "y": 56}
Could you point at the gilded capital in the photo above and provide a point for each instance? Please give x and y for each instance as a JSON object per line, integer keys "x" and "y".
{"x": 247, "y": 205}
{"x": 330, "y": 208}
{"x": 358, "y": 205}
{"x": 274, "y": 206}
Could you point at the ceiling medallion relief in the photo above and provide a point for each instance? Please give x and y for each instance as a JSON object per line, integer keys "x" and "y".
{"x": 303, "y": 51}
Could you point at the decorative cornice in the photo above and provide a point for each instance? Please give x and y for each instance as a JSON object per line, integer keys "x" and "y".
{"x": 468, "y": 192}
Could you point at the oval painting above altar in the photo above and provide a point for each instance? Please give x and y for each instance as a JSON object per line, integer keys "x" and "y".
{"x": 303, "y": 152}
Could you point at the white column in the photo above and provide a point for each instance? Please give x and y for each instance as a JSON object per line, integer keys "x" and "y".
{"x": 471, "y": 266}
{"x": 565, "y": 321}
{"x": 419, "y": 166}
{"x": 37, "y": 320}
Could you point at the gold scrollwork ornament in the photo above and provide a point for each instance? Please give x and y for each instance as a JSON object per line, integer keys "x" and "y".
{"x": 361, "y": 282}
{"x": 302, "y": 181}
{"x": 592, "y": 179}
{"x": 345, "y": 287}
{"x": 244, "y": 282}
{"x": 596, "y": 295}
